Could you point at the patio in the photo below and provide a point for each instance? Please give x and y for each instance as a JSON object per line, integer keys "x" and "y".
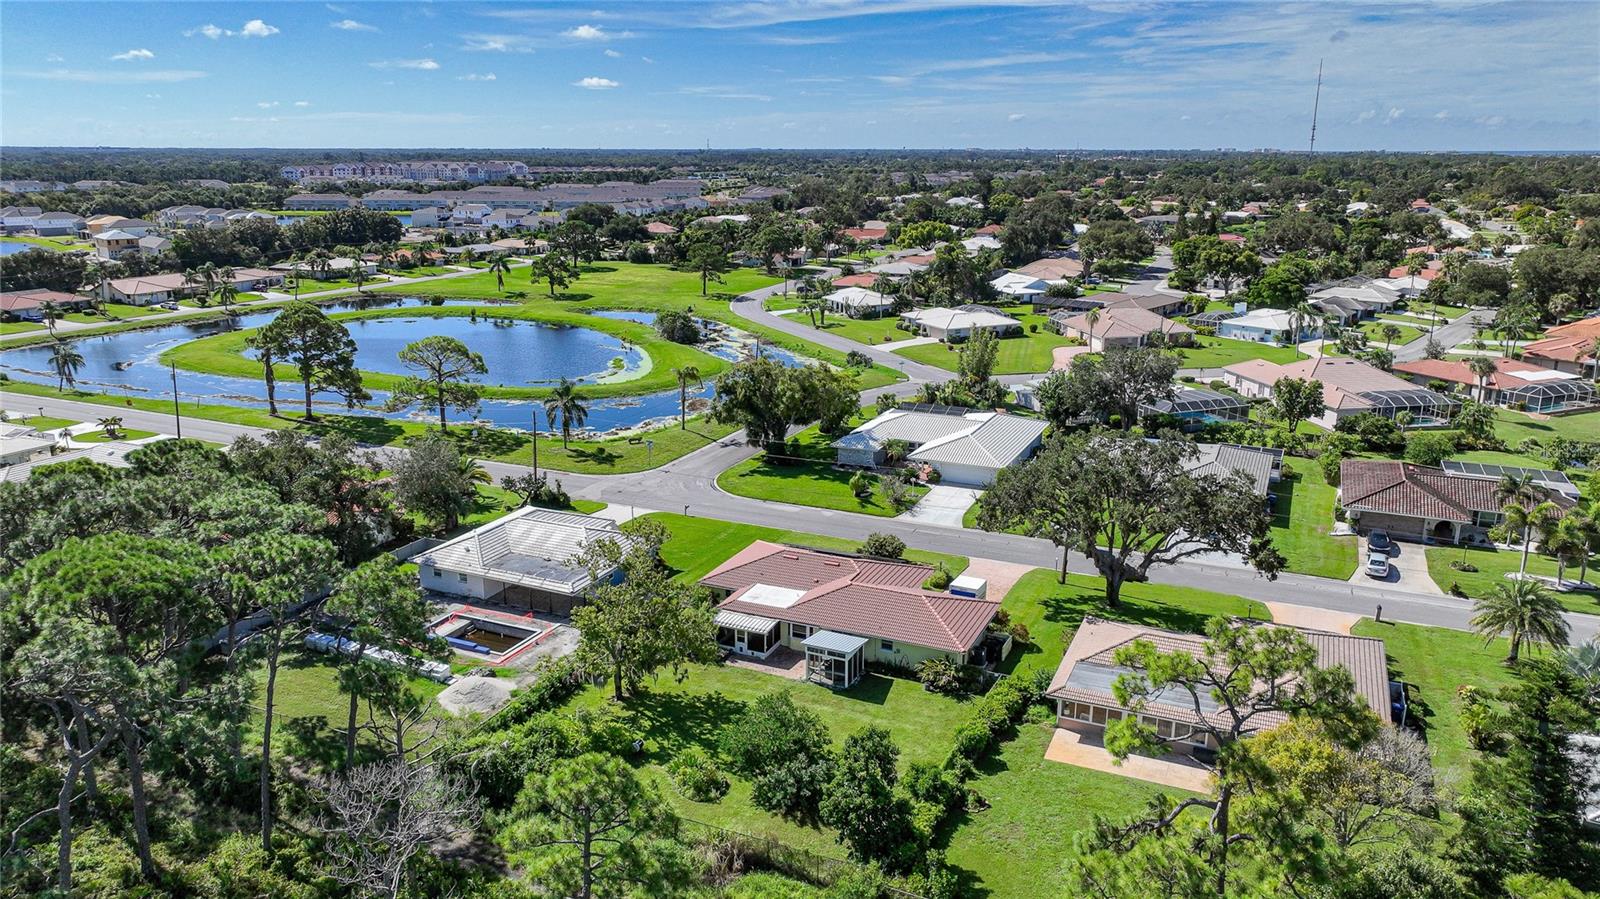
{"x": 784, "y": 662}
{"x": 1083, "y": 747}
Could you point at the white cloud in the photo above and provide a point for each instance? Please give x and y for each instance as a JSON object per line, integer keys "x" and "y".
{"x": 267, "y": 104}
{"x": 1394, "y": 115}
{"x": 1442, "y": 115}
{"x": 302, "y": 103}
{"x": 257, "y": 28}
{"x": 474, "y": 76}
{"x": 497, "y": 43}
{"x": 55, "y": 57}
{"x": 1366, "y": 116}
{"x": 587, "y": 33}
{"x": 594, "y": 83}
{"x": 648, "y": 60}
{"x": 806, "y": 41}
{"x": 426, "y": 65}
{"x": 252, "y": 28}
{"x": 132, "y": 55}
{"x": 1490, "y": 121}
{"x": 352, "y": 25}
{"x": 613, "y": 53}
{"x": 1016, "y": 116}
{"x": 97, "y": 76}
{"x": 724, "y": 92}
{"x": 152, "y": 96}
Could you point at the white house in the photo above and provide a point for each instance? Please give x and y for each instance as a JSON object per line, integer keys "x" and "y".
{"x": 1019, "y": 287}
{"x": 960, "y": 322}
{"x": 154, "y": 244}
{"x": 968, "y": 448}
{"x": 981, "y": 242}
{"x": 1269, "y": 326}
{"x": 524, "y": 559}
{"x": 113, "y": 243}
{"x": 859, "y": 302}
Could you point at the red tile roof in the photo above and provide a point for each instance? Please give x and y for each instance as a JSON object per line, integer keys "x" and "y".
{"x": 853, "y": 595}
{"x": 867, "y": 233}
{"x": 990, "y": 229}
{"x": 1570, "y": 342}
{"x": 1231, "y": 238}
{"x": 19, "y": 300}
{"x": 860, "y": 279}
{"x": 1415, "y": 491}
{"x": 1427, "y": 274}
{"x": 1505, "y": 376}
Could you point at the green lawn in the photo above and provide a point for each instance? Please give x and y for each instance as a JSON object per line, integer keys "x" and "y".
{"x": 1439, "y": 661}
{"x": 1515, "y": 427}
{"x": 56, "y": 244}
{"x": 1374, "y": 332}
{"x": 1216, "y": 352}
{"x": 861, "y": 330}
{"x": 1026, "y": 353}
{"x": 1302, "y": 519}
{"x": 492, "y": 501}
{"x": 701, "y": 544}
{"x": 312, "y": 285}
{"x": 122, "y": 434}
{"x": 651, "y": 288}
{"x": 1493, "y": 566}
{"x": 114, "y": 311}
{"x": 18, "y": 416}
{"x": 806, "y": 476}
{"x": 307, "y": 687}
{"x": 224, "y": 353}
{"x": 19, "y": 327}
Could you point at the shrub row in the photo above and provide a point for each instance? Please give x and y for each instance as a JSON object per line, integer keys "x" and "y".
{"x": 995, "y": 713}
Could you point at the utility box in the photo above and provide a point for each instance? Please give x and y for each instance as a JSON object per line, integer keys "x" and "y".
{"x": 975, "y": 587}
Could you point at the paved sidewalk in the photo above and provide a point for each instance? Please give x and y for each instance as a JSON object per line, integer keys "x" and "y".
{"x": 909, "y": 341}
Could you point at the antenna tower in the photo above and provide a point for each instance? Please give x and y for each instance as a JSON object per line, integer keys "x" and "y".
{"x": 1315, "y": 105}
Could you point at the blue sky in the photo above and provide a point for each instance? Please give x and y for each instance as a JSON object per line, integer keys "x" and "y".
{"x": 776, "y": 73}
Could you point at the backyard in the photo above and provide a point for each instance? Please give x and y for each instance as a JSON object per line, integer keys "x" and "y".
{"x": 1216, "y": 352}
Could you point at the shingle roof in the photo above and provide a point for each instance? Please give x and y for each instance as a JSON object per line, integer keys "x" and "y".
{"x": 1416, "y": 491}
{"x": 1122, "y": 321}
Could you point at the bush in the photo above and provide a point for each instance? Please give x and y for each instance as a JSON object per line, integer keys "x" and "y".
{"x": 1217, "y": 384}
{"x": 1001, "y": 707}
{"x": 940, "y": 675}
{"x": 678, "y": 327}
{"x": 697, "y": 776}
{"x": 857, "y": 359}
{"x": 883, "y": 546}
{"x": 940, "y": 579}
{"x": 785, "y": 752}
{"x": 1424, "y": 448}
{"x": 1033, "y": 328}
{"x": 860, "y": 487}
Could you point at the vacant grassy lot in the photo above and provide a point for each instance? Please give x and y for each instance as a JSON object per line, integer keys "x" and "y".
{"x": 1374, "y": 332}
{"x": 1301, "y": 521}
{"x": 1026, "y": 353}
{"x": 1216, "y": 352}
{"x": 16, "y": 414}
{"x": 1493, "y": 566}
{"x": 805, "y": 475}
{"x": 1515, "y": 427}
{"x": 1439, "y": 662}
{"x": 312, "y": 285}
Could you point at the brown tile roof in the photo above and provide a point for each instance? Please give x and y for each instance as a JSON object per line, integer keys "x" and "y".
{"x": 990, "y": 229}
{"x": 1095, "y": 643}
{"x": 18, "y": 300}
{"x": 859, "y": 596}
{"x": 867, "y": 233}
{"x": 1416, "y": 491}
{"x": 1570, "y": 342}
{"x": 1052, "y": 269}
{"x": 1124, "y": 321}
{"x": 861, "y": 279}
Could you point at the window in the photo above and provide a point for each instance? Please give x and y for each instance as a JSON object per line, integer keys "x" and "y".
{"x": 438, "y": 573}
{"x": 886, "y": 645}
{"x": 799, "y": 631}
{"x": 461, "y": 576}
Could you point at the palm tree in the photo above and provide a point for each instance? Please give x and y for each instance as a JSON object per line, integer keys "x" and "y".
{"x": 192, "y": 280}
{"x": 51, "y": 311}
{"x": 1484, "y": 368}
{"x": 208, "y": 276}
{"x": 97, "y": 274}
{"x": 472, "y": 472}
{"x": 565, "y": 403}
{"x": 66, "y": 360}
{"x": 1092, "y": 317}
{"x": 264, "y": 354}
{"x": 359, "y": 276}
{"x": 686, "y": 375}
{"x": 1404, "y": 418}
{"x": 1301, "y": 317}
{"x": 111, "y": 424}
{"x": 1391, "y": 332}
{"x": 1525, "y": 612}
{"x": 1583, "y": 528}
{"x": 1517, "y": 494}
{"x": 227, "y": 292}
{"x": 500, "y": 266}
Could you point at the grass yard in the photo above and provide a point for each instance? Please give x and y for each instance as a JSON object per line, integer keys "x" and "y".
{"x": 54, "y": 244}
{"x": 38, "y": 422}
{"x": 807, "y": 477}
{"x": 1439, "y": 661}
{"x": 1216, "y": 352}
{"x": 20, "y": 327}
{"x": 1493, "y": 566}
{"x": 1027, "y": 353}
{"x": 1515, "y": 427}
{"x": 122, "y": 434}
{"x": 492, "y": 502}
{"x": 651, "y": 288}
{"x": 1302, "y": 519}
{"x": 1374, "y": 332}
{"x": 701, "y": 544}
{"x": 114, "y": 311}
{"x": 312, "y": 285}
{"x": 307, "y": 687}
{"x": 861, "y": 330}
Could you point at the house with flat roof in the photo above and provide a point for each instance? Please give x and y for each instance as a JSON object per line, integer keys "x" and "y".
{"x": 525, "y": 559}
{"x": 1349, "y": 387}
{"x": 958, "y": 323}
{"x": 1083, "y": 686}
{"x": 1120, "y": 326}
{"x": 1514, "y": 384}
{"x": 843, "y": 611}
{"x": 859, "y": 302}
{"x": 1420, "y": 503}
{"x": 967, "y": 447}
{"x": 1275, "y": 326}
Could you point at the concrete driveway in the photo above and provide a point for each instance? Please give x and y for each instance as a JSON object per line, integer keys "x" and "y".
{"x": 943, "y": 505}
{"x": 1408, "y": 570}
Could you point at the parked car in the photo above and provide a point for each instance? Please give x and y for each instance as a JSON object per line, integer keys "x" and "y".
{"x": 1378, "y": 541}
{"x": 1378, "y": 565}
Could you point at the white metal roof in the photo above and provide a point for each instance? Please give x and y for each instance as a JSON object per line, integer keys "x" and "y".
{"x": 743, "y": 622}
{"x": 835, "y": 642}
{"x": 858, "y": 298}
{"x": 912, "y": 427}
{"x": 997, "y": 442}
{"x": 530, "y": 547}
{"x": 956, "y": 319}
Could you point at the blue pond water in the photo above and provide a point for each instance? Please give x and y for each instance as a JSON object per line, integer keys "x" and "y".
{"x": 517, "y": 353}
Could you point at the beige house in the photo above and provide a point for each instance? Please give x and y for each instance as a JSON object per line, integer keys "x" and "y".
{"x": 1082, "y": 687}
{"x": 843, "y": 611}
{"x": 1120, "y": 326}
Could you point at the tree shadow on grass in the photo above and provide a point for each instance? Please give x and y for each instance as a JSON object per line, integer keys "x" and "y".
{"x": 670, "y": 722}
{"x": 360, "y": 428}
{"x": 599, "y": 455}
{"x": 1069, "y": 603}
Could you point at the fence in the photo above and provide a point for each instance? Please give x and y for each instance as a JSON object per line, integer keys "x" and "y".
{"x": 741, "y": 851}
{"x": 404, "y": 553}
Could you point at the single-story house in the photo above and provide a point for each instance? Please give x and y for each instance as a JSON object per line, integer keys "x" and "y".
{"x": 958, "y": 323}
{"x": 154, "y": 244}
{"x": 113, "y": 453}
{"x": 19, "y": 218}
{"x": 1269, "y": 326}
{"x": 867, "y": 235}
{"x": 859, "y": 302}
{"x": 142, "y": 290}
{"x": 1347, "y": 310}
{"x": 20, "y": 443}
{"x": 1160, "y": 304}
{"x": 55, "y": 224}
{"x": 1261, "y": 465}
{"x": 1124, "y": 326}
{"x": 1421, "y": 503}
{"x": 1083, "y": 685}
{"x": 844, "y": 611}
{"x": 859, "y": 279}
{"x": 338, "y": 267}
{"x": 659, "y": 229}
{"x": 525, "y": 559}
{"x": 518, "y": 246}
{"x": 1349, "y": 387}
{"x": 980, "y": 243}
{"x": 968, "y": 448}
{"x": 1569, "y": 347}
{"x": 1019, "y": 288}
{"x": 1196, "y": 407}
{"x": 27, "y": 305}
{"x": 1052, "y": 268}
{"x": 1514, "y": 384}
{"x": 427, "y": 217}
